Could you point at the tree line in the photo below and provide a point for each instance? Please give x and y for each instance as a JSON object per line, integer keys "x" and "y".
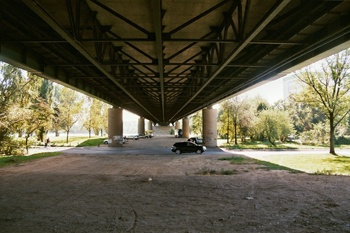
{"x": 31, "y": 106}
{"x": 317, "y": 114}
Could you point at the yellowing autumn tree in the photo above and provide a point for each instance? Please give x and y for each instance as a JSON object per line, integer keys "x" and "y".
{"x": 70, "y": 106}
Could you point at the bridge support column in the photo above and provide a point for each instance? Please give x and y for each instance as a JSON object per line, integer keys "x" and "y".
{"x": 210, "y": 127}
{"x": 115, "y": 127}
{"x": 186, "y": 127}
{"x": 141, "y": 125}
{"x": 177, "y": 125}
{"x": 149, "y": 125}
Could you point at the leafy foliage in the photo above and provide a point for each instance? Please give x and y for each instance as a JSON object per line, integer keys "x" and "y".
{"x": 329, "y": 89}
{"x": 196, "y": 123}
{"x": 70, "y": 106}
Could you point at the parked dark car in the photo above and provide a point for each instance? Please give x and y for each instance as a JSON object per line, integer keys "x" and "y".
{"x": 196, "y": 140}
{"x": 182, "y": 147}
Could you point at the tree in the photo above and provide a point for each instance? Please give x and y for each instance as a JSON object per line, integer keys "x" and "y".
{"x": 196, "y": 123}
{"x": 236, "y": 112}
{"x": 37, "y": 116}
{"x": 303, "y": 115}
{"x": 274, "y": 125}
{"x": 104, "y": 118}
{"x": 70, "y": 107}
{"x": 329, "y": 90}
{"x": 97, "y": 118}
{"x": 46, "y": 94}
{"x": 16, "y": 92}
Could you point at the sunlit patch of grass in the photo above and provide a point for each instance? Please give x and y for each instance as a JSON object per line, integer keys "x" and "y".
{"x": 92, "y": 142}
{"x": 267, "y": 165}
{"x": 312, "y": 163}
{"x": 61, "y": 141}
{"x": 237, "y": 159}
{"x": 323, "y": 172}
{"x": 273, "y": 166}
{"x": 259, "y": 145}
{"x": 11, "y": 160}
{"x": 279, "y": 145}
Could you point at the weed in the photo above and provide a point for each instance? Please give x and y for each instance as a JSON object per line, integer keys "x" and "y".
{"x": 207, "y": 171}
{"x": 273, "y": 166}
{"x": 236, "y": 159}
{"x": 228, "y": 172}
{"x": 5, "y": 161}
{"x": 323, "y": 172}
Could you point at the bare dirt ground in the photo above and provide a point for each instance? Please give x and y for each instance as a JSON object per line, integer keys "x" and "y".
{"x": 106, "y": 192}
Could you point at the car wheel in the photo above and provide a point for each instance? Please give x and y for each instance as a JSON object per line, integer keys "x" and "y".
{"x": 105, "y": 142}
{"x": 198, "y": 152}
{"x": 178, "y": 152}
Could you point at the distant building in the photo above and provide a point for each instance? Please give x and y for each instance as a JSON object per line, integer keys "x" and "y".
{"x": 290, "y": 85}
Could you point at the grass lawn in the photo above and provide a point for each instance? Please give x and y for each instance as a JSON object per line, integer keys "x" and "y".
{"x": 12, "y": 160}
{"x": 74, "y": 141}
{"x": 313, "y": 163}
{"x": 317, "y": 164}
{"x": 266, "y": 145}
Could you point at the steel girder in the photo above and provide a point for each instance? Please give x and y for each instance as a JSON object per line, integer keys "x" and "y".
{"x": 164, "y": 59}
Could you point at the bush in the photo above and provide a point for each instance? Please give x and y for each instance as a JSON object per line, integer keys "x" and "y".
{"x": 13, "y": 146}
{"x": 342, "y": 140}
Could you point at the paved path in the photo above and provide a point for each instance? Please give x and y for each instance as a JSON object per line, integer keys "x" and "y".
{"x": 162, "y": 145}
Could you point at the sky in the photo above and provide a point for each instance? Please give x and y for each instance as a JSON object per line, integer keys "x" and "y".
{"x": 272, "y": 91}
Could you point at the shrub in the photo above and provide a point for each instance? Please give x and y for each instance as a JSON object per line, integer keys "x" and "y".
{"x": 13, "y": 146}
{"x": 342, "y": 140}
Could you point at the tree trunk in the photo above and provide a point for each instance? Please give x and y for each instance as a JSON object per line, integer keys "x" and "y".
{"x": 67, "y": 135}
{"x": 27, "y": 144}
{"x": 57, "y": 133}
{"x": 272, "y": 143}
{"x": 89, "y": 133}
{"x": 235, "y": 133}
{"x": 101, "y": 132}
{"x": 331, "y": 136}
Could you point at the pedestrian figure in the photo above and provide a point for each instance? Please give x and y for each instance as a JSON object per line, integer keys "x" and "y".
{"x": 47, "y": 142}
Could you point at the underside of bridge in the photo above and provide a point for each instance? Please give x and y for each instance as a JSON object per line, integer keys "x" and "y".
{"x": 166, "y": 59}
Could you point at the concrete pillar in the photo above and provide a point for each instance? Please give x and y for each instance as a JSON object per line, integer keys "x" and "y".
{"x": 177, "y": 125}
{"x": 141, "y": 125}
{"x": 115, "y": 127}
{"x": 186, "y": 127}
{"x": 210, "y": 130}
{"x": 149, "y": 125}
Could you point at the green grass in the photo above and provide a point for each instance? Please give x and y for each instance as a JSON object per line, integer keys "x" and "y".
{"x": 266, "y": 145}
{"x": 273, "y": 166}
{"x": 258, "y": 145}
{"x": 74, "y": 141}
{"x": 237, "y": 159}
{"x": 207, "y": 171}
{"x": 266, "y": 165}
{"x": 318, "y": 164}
{"x": 91, "y": 142}
{"x": 11, "y": 160}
